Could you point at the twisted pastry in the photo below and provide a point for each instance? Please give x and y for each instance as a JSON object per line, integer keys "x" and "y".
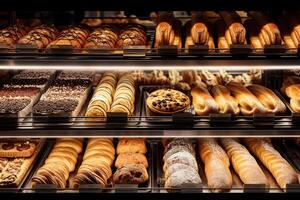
{"x": 282, "y": 171}
{"x": 216, "y": 165}
{"x": 243, "y": 162}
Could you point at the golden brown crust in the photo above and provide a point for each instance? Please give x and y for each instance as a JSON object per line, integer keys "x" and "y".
{"x": 131, "y": 158}
{"x": 10, "y": 35}
{"x": 131, "y": 145}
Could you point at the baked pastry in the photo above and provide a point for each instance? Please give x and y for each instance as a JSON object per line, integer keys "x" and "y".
{"x": 289, "y": 80}
{"x": 178, "y": 145}
{"x": 96, "y": 165}
{"x": 282, "y": 171}
{"x": 40, "y": 36}
{"x": 292, "y": 92}
{"x": 217, "y": 165}
{"x": 102, "y": 98}
{"x": 268, "y": 98}
{"x": 131, "y": 158}
{"x": 269, "y": 32}
{"x": 59, "y": 164}
{"x": 10, "y": 35}
{"x": 124, "y": 97}
{"x": 235, "y": 31}
{"x": 18, "y": 148}
{"x": 72, "y": 36}
{"x": 167, "y": 101}
{"x": 182, "y": 157}
{"x": 182, "y": 177}
{"x": 221, "y": 39}
{"x": 203, "y": 102}
{"x": 131, "y": 145}
{"x": 248, "y": 103}
{"x": 131, "y": 174}
{"x": 132, "y": 35}
{"x": 105, "y": 36}
{"x": 226, "y": 102}
{"x": 209, "y": 78}
{"x": 243, "y": 162}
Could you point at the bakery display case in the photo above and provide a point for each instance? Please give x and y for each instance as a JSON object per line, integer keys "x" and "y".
{"x": 152, "y": 104}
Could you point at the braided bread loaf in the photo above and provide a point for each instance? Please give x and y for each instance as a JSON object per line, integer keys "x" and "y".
{"x": 282, "y": 171}
{"x": 243, "y": 162}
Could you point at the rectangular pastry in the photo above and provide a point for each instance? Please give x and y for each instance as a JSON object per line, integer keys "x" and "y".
{"x": 18, "y": 148}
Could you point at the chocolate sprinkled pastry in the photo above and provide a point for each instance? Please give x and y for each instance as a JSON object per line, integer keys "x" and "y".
{"x": 60, "y": 105}
{"x": 13, "y": 105}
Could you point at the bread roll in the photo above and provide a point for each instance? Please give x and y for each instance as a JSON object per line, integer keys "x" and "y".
{"x": 225, "y": 101}
{"x": 217, "y": 165}
{"x": 282, "y": 171}
{"x": 203, "y": 102}
{"x": 268, "y": 98}
{"x": 292, "y": 92}
{"x": 235, "y": 31}
{"x": 287, "y": 81}
{"x": 248, "y": 103}
{"x": 243, "y": 162}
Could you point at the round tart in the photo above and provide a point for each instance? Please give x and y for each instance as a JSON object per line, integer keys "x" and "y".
{"x": 167, "y": 101}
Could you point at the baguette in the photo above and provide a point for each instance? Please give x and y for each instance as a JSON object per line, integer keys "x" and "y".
{"x": 248, "y": 103}
{"x": 203, "y": 102}
{"x": 268, "y": 98}
{"x": 217, "y": 165}
{"x": 235, "y": 31}
{"x": 225, "y": 101}
{"x": 282, "y": 171}
{"x": 243, "y": 162}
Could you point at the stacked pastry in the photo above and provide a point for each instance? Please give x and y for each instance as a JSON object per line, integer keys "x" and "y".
{"x": 124, "y": 97}
{"x": 180, "y": 165}
{"x": 102, "y": 98}
{"x": 16, "y": 157}
{"x": 131, "y": 162}
{"x": 168, "y": 31}
{"x": 281, "y": 170}
{"x": 59, "y": 164}
{"x": 216, "y": 164}
{"x": 40, "y": 36}
{"x": 96, "y": 165}
{"x": 264, "y": 32}
{"x": 72, "y": 36}
{"x": 230, "y": 30}
{"x": 132, "y": 35}
{"x": 11, "y": 35}
{"x": 63, "y": 98}
{"x": 105, "y": 36}
{"x": 291, "y": 88}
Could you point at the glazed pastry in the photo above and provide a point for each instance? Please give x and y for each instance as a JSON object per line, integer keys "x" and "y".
{"x": 131, "y": 158}
{"x": 132, "y": 35}
{"x": 269, "y": 32}
{"x": 243, "y": 162}
{"x": 203, "y": 102}
{"x": 167, "y": 101}
{"x": 217, "y": 165}
{"x": 40, "y": 36}
{"x": 11, "y": 35}
{"x": 282, "y": 171}
{"x": 235, "y": 32}
{"x": 18, "y": 148}
{"x": 124, "y": 97}
{"x": 248, "y": 103}
{"x": 105, "y": 36}
{"x": 96, "y": 165}
{"x": 72, "y": 36}
{"x": 131, "y": 145}
{"x": 102, "y": 98}
{"x": 226, "y": 103}
{"x": 268, "y": 98}
{"x": 131, "y": 174}
{"x": 59, "y": 164}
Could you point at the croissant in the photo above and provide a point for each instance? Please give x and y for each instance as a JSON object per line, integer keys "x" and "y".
{"x": 216, "y": 163}
{"x": 282, "y": 171}
{"x": 243, "y": 162}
